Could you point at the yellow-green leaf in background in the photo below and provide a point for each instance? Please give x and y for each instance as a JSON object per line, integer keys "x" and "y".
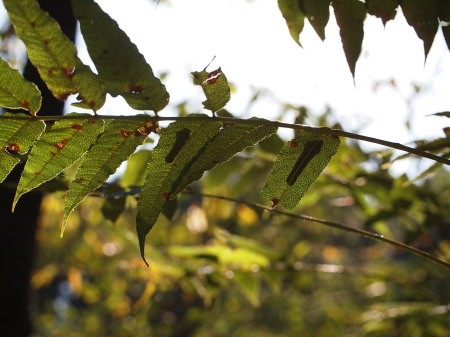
{"x": 297, "y": 167}
{"x": 16, "y": 136}
{"x": 216, "y": 88}
{"x": 16, "y": 92}
{"x": 318, "y": 14}
{"x": 179, "y": 147}
{"x": 118, "y": 61}
{"x": 350, "y": 15}
{"x": 422, "y": 15}
{"x": 134, "y": 174}
{"x": 115, "y": 144}
{"x": 66, "y": 142}
{"x": 294, "y": 16}
{"x": 54, "y": 55}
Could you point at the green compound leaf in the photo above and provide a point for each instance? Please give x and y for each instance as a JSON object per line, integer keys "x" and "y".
{"x": 16, "y": 92}
{"x": 118, "y": 60}
{"x": 179, "y": 147}
{"x": 115, "y": 144}
{"x": 422, "y": 15}
{"x": 215, "y": 86}
{"x": 318, "y": 14}
{"x": 383, "y": 9}
{"x": 297, "y": 167}
{"x": 294, "y": 16}
{"x": 16, "y": 136}
{"x": 66, "y": 142}
{"x": 350, "y": 15}
{"x": 233, "y": 138}
{"x": 54, "y": 55}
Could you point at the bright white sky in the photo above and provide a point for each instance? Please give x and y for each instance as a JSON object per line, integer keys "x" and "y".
{"x": 252, "y": 45}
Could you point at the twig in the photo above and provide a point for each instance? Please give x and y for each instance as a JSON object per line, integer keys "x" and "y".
{"x": 319, "y": 130}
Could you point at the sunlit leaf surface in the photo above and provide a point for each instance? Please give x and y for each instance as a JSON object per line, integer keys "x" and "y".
{"x": 16, "y": 136}
{"x": 179, "y": 147}
{"x": 117, "y": 59}
{"x": 54, "y": 55}
{"x": 16, "y": 92}
{"x": 298, "y": 166}
{"x": 66, "y": 142}
{"x": 114, "y": 145}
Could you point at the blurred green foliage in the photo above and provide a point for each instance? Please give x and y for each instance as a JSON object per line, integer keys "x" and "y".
{"x": 221, "y": 268}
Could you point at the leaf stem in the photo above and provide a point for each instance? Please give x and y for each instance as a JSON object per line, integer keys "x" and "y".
{"x": 319, "y": 130}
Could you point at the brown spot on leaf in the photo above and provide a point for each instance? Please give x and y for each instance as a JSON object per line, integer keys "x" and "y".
{"x": 335, "y": 136}
{"x": 91, "y": 121}
{"x": 76, "y": 127}
{"x": 33, "y": 24}
{"x": 293, "y": 144}
{"x": 53, "y": 153}
{"x": 275, "y": 201}
{"x": 80, "y": 181}
{"x": 134, "y": 88}
{"x": 146, "y": 129}
{"x": 13, "y": 147}
{"x": 125, "y": 133}
{"x": 166, "y": 195}
{"x": 58, "y": 146}
{"x": 25, "y": 103}
{"x": 92, "y": 104}
{"x": 213, "y": 76}
{"x": 46, "y": 42}
{"x": 63, "y": 97}
{"x": 37, "y": 173}
{"x": 69, "y": 72}
{"x": 65, "y": 141}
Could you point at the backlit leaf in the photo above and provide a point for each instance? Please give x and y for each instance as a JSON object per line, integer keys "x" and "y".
{"x": 117, "y": 59}
{"x": 115, "y": 144}
{"x": 67, "y": 141}
{"x": 350, "y": 15}
{"x": 215, "y": 86}
{"x": 179, "y": 147}
{"x": 16, "y": 92}
{"x": 294, "y": 16}
{"x": 318, "y": 14}
{"x": 231, "y": 140}
{"x": 423, "y": 16}
{"x": 16, "y": 136}
{"x": 297, "y": 167}
{"x": 54, "y": 55}
{"x": 383, "y": 9}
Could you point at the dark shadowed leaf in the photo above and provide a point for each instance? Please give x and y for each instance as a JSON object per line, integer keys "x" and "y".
{"x": 318, "y": 14}
{"x": 423, "y": 16}
{"x": 350, "y": 15}
{"x": 383, "y": 9}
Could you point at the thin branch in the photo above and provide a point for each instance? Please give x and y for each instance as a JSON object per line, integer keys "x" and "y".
{"x": 319, "y": 130}
{"x": 371, "y": 235}
{"x": 362, "y": 232}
